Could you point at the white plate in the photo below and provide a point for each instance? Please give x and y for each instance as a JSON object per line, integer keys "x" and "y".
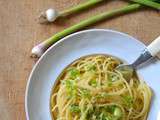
{"x": 77, "y": 45}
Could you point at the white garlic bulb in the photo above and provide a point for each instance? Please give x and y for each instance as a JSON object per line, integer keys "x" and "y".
{"x": 51, "y": 15}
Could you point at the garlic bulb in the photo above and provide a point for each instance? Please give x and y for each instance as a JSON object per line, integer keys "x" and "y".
{"x": 49, "y": 15}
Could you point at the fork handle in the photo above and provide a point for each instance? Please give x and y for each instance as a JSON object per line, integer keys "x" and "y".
{"x": 148, "y": 53}
{"x": 154, "y": 47}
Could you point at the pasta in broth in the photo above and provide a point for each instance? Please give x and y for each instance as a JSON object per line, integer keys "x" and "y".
{"x": 91, "y": 89}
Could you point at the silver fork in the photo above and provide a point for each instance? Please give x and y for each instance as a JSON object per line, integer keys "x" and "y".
{"x": 149, "y": 52}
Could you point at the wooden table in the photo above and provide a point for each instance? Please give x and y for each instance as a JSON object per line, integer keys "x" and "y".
{"x": 19, "y": 32}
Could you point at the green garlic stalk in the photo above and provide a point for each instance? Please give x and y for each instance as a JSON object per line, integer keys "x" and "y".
{"x": 38, "y": 50}
{"x": 149, "y": 3}
{"x": 51, "y": 15}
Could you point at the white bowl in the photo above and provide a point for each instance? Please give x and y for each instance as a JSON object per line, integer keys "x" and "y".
{"x": 65, "y": 51}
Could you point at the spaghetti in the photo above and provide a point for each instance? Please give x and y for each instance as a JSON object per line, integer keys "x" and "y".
{"x": 92, "y": 89}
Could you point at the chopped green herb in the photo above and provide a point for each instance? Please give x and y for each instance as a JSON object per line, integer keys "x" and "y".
{"x": 74, "y": 108}
{"x": 85, "y": 93}
{"x": 73, "y": 73}
{"x": 91, "y": 67}
{"x": 102, "y": 114}
{"x": 104, "y": 117}
{"x": 93, "y": 83}
{"x": 109, "y": 83}
{"x": 112, "y": 77}
{"x": 117, "y": 112}
{"x": 71, "y": 87}
{"x": 128, "y": 100}
{"x": 110, "y": 108}
{"x": 111, "y": 112}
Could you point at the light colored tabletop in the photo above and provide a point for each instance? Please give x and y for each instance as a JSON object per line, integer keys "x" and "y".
{"x": 19, "y": 32}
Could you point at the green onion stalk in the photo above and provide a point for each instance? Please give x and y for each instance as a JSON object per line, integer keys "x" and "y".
{"x": 38, "y": 50}
{"x": 150, "y": 3}
{"x": 51, "y": 14}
